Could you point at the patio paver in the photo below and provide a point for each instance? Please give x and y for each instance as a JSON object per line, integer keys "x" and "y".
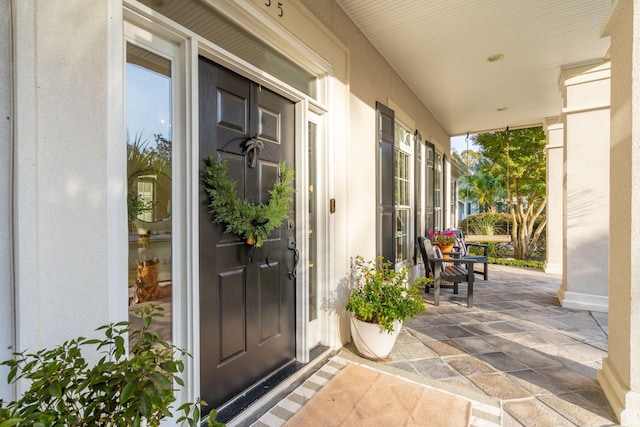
{"x": 516, "y": 344}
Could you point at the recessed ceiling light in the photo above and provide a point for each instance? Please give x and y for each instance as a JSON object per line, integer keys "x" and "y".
{"x": 501, "y": 108}
{"x": 495, "y": 57}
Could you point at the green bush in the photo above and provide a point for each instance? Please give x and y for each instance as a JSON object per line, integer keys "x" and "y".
{"x": 516, "y": 263}
{"x": 487, "y": 223}
{"x": 381, "y": 295}
{"x": 120, "y": 390}
{"x": 495, "y": 224}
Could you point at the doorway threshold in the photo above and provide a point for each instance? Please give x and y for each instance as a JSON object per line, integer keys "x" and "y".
{"x": 249, "y": 406}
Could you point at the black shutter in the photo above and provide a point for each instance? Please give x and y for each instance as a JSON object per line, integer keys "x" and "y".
{"x": 385, "y": 201}
{"x": 418, "y": 192}
{"x": 429, "y": 187}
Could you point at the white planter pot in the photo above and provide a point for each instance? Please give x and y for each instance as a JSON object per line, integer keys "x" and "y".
{"x": 372, "y": 340}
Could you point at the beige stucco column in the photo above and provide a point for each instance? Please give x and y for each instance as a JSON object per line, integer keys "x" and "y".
{"x": 585, "y": 116}
{"x": 554, "y": 130}
{"x": 6, "y": 152}
{"x": 620, "y": 374}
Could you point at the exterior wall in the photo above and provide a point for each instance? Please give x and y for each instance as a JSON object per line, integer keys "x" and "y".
{"x": 367, "y": 87}
{"x": 6, "y": 292}
{"x": 555, "y": 229}
{"x": 62, "y": 190}
{"x": 586, "y": 93}
{"x": 60, "y": 171}
{"x": 620, "y": 374}
{"x": 69, "y": 189}
{"x": 355, "y": 156}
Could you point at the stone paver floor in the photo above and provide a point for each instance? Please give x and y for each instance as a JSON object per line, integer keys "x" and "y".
{"x": 516, "y": 344}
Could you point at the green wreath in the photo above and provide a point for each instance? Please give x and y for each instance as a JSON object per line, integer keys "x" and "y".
{"x": 252, "y": 222}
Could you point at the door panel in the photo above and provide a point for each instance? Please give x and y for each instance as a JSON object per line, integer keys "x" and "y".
{"x": 232, "y": 319}
{"x": 247, "y": 300}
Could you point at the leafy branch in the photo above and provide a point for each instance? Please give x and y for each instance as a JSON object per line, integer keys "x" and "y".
{"x": 119, "y": 390}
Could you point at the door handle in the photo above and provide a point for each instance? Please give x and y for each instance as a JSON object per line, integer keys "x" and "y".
{"x": 296, "y": 257}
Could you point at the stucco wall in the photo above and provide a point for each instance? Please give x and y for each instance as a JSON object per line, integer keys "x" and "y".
{"x": 61, "y": 170}
{"x": 6, "y": 306}
{"x": 586, "y": 120}
{"x": 620, "y": 376}
{"x": 64, "y": 141}
{"x": 555, "y": 226}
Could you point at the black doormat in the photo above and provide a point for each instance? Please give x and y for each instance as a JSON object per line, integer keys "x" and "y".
{"x": 260, "y": 389}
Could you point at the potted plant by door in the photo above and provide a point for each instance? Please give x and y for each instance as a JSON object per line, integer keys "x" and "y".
{"x": 380, "y": 302}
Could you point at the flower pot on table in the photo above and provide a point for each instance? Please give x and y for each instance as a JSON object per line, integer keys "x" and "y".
{"x": 445, "y": 249}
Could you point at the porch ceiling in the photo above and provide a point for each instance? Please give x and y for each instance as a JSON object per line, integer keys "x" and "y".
{"x": 441, "y": 48}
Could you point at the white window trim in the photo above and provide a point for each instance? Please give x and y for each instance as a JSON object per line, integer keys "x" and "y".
{"x": 174, "y": 48}
{"x": 408, "y": 150}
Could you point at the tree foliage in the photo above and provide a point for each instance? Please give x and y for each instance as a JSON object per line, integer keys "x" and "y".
{"x": 518, "y": 155}
{"x": 485, "y": 188}
{"x": 471, "y": 158}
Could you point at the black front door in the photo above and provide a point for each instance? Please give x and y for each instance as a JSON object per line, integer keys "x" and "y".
{"x": 247, "y": 298}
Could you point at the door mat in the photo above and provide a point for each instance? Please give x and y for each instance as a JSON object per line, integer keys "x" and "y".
{"x": 360, "y": 396}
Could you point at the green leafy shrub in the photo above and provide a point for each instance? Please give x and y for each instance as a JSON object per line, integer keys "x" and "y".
{"x": 119, "y": 390}
{"x": 499, "y": 223}
{"x": 516, "y": 262}
{"x": 381, "y": 295}
{"x": 486, "y": 223}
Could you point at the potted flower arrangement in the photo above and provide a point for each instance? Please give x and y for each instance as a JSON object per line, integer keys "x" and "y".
{"x": 443, "y": 239}
{"x": 381, "y": 301}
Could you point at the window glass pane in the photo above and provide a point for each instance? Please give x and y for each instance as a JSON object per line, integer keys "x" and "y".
{"x": 148, "y": 106}
{"x": 402, "y": 234}
{"x": 403, "y": 135}
{"x": 437, "y": 187}
{"x": 402, "y": 181}
{"x": 313, "y": 226}
{"x": 208, "y": 23}
{"x": 437, "y": 180}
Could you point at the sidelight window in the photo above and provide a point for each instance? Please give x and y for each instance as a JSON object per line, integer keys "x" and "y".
{"x": 149, "y": 171}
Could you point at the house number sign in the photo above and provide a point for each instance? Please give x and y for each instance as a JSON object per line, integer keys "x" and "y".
{"x": 279, "y": 6}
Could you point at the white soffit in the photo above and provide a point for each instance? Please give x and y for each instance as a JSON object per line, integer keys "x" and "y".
{"x": 440, "y": 49}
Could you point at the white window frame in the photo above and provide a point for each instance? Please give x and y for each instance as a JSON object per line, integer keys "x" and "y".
{"x": 404, "y": 147}
{"x": 438, "y": 187}
{"x": 173, "y": 47}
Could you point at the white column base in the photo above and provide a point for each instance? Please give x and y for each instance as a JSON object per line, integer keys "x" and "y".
{"x": 579, "y": 301}
{"x": 553, "y": 268}
{"x": 624, "y": 402}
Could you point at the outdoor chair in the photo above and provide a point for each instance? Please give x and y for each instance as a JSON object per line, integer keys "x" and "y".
{"x": 462, "y": 247}
{"x": 454, "y": 270}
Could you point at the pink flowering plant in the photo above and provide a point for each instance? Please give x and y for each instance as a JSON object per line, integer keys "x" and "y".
{"x": 382, "y": 294}
{"x": 446, "y": 237}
